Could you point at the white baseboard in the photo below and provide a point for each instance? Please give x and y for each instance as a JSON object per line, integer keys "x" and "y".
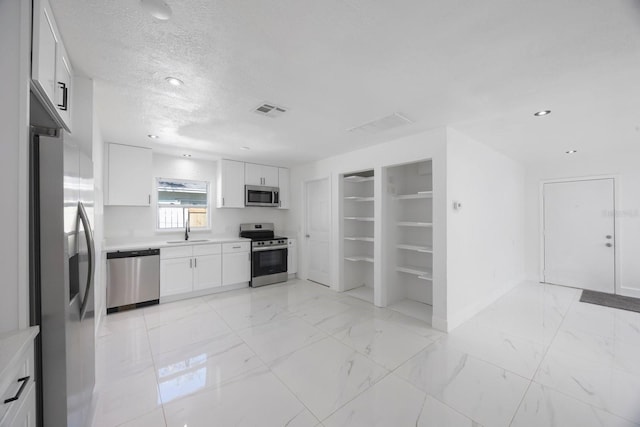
{"x": 439, "y": 324}
{"x": 629, "y": 292}
{"x": 456, "y": 319}
{"x": 203, "y": 292}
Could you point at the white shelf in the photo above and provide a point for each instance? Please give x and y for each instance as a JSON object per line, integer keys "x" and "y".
{"x": 419, "y": 195}
{"x": 359, "y": 218}
{"x": 359, "y": 258}
{"x": 360, "y": 239}
{"x": 422, "y": 272}
{"x": 363, "y": 292}
{"x": 355, "y": 178}
{"x": 414, "y": 309}
{"x": 414, "y": 224}
{"x": 359, "y": 199}
{"x": 422, "y": 249}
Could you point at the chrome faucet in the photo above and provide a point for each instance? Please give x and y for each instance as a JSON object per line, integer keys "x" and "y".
{"x": 187, "y": 227}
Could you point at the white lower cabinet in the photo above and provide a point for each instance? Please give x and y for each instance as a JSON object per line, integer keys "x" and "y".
{"x": 292, "y": 257}
{"x": 26, "y": 414}
{"x": 237, "y": 263}
{"x": 17, "y": 379}
{"x": 207, "y": 272}
{"x": 188, "y": 269}
{"x": 176, "y": 276}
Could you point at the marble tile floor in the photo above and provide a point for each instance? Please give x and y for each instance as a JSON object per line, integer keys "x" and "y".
{"x": 299, "y": 354}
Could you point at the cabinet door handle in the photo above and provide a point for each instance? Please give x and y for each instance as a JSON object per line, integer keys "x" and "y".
{"x": 149, "y": 198}
{"x": 235, "y": 247}
{"x": 190, "y": 262}
{"x": 223, "y": 201}
{"x": 24, "y": 381}
{"x": 65, "y": 96}
{"x": 195, "y": 263}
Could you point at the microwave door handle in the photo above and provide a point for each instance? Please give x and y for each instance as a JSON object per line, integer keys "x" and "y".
{"x": 82, "y": 213}
{"x": 276, "y": 198}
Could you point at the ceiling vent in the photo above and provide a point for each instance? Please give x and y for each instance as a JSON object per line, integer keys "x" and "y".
{"x": 389, "y": 122}
{"x": 270, "y": 110}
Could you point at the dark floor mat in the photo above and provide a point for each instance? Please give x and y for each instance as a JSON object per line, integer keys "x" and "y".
{"x": 608, "y": 300}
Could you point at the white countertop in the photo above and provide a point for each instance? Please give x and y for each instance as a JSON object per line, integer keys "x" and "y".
{"x": 13, "y": 345}
{"x": 151, "y": 243}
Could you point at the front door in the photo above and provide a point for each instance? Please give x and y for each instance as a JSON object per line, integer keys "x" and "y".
{"x": 579, "y": 232}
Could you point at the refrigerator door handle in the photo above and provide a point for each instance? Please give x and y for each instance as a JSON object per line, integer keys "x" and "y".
{"x": 82, "y": 216}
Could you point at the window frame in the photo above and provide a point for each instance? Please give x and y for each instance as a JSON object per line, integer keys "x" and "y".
{"x": 158, "y": 206}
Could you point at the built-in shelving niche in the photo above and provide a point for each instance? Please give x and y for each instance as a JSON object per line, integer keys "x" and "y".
{"x": 408, "y": 242}
{"x": 358, "y": 234}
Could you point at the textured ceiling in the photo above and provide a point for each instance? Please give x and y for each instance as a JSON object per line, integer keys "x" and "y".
{"x": 482, "y": 67}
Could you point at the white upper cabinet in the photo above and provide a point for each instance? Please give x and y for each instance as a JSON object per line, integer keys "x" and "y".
{"x": 270, "y": 176}
{"x": 233, "y": 176}
{"x": 43, "y": 66}
{"x": 129, "y": 175}
{"x": 260, "y": 175}
{"x": 230, "y": 184}
{"x": 63, "y": 85}
{"x": 51, "y": 69}
{"x": 252, "y": 174}
{"x": 283, "y": 183}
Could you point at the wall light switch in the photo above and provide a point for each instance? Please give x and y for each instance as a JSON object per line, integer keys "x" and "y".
{"x": 457, "y": 206}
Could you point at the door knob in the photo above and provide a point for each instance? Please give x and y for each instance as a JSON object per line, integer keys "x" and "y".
{"x": 609, "y": 245}
{"x": 608, "y": 236}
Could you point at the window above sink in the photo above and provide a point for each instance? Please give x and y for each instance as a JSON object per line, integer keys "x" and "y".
{"x": 179, "y": 199}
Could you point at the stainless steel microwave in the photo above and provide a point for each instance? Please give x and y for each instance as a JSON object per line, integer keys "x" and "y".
{"x": 257, "y": 195}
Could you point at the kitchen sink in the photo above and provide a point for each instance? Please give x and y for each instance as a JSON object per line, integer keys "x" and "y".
{"x": 173, "y": 242}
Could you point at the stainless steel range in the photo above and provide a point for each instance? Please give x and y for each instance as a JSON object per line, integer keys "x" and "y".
{"x": 268, "y": 254}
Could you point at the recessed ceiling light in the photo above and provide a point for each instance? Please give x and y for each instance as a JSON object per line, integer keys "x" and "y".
{"x": 174, "y": 81}
{"x": 186, "y": 155}
{"x": 153, "y": 136}
{"x": 157, "y": 8}
{"x": 245, "y": 148}
{"x": 571, "y": 151}
{"x": 542, "y": 113}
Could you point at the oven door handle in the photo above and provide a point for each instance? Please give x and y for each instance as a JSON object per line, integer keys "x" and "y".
{"x": 269, "y": 248}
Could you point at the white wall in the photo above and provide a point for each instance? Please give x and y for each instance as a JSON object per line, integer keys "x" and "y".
{"x": 15, "y": 48}
{"x": 628, "y": 210}
{"x": 427, "y": 145}
{"x": 485, "y": 250}
{"x": 123, "y": 222}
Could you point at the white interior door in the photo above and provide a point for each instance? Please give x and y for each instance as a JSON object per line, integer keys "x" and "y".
{"x": 579, "y": 232}
{"x": 318, "y": 227}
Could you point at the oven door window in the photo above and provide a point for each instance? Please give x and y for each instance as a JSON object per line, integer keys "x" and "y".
{"x": 269, "y": 262}
{"x": 257, "y": 196}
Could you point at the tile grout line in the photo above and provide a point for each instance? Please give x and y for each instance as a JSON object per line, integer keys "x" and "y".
{"x": 531, "y": 381}
{"x": 155, "y": 369}
{"x": 266, "y": 365}
{"x": 429, "y": 394}
{"x": 606, "y": 410}
{"x": 280, "y": 379}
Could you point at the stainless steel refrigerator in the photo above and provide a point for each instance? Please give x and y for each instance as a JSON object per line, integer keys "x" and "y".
{"x": 62, "y": 259}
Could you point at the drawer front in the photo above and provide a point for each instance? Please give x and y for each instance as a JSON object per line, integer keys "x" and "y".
{"x": 176, "y": 252}
{"x": 23, "y": 369}
{"x": 213, "y": 249}
{"x": 228, "y": 248}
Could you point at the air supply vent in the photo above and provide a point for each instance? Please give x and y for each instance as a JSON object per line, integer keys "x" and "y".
{"x": 270, "y": 110}
{"x": 389, "y": 122}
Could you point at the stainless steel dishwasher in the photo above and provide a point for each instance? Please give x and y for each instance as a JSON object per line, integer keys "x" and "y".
{"x": 133, "y": 279}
